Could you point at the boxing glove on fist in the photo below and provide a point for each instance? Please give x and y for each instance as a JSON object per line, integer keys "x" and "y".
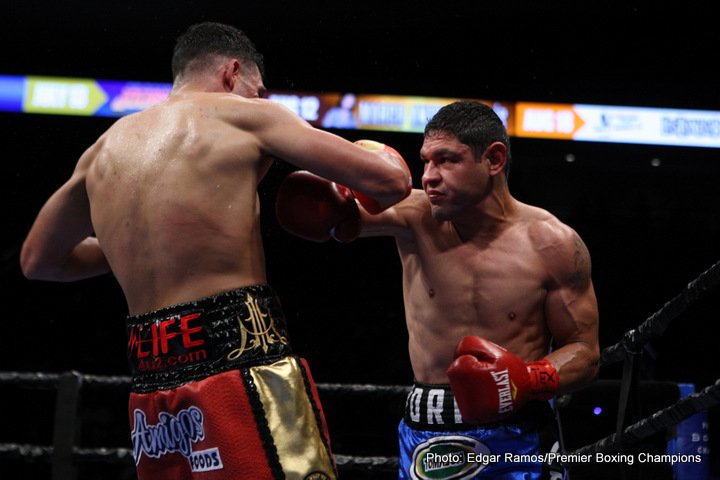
{"x": 491, "y": 383}
{"x": 316, "y": 209}
{"x": 369, "y": 203}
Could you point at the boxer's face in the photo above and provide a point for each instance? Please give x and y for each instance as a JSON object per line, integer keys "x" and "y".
{"x": 453, "y": 178}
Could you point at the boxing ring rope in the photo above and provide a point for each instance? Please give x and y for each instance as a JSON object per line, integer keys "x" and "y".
{"x": 629, "y": 349}
{"x": 657, "y": 422}
{"x": 633, "y": 340}
{"x": 63, "y": 454}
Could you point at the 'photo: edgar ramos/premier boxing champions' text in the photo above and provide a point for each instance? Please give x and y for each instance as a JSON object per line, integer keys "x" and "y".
{"x": 437, "y": 460}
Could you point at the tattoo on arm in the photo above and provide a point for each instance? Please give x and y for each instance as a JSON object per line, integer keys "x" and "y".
{"x": 582, "y": 266}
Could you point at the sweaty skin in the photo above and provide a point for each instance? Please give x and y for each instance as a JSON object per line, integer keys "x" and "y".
{"x": 167, "y": 198}
{"x": 478, "y": 262}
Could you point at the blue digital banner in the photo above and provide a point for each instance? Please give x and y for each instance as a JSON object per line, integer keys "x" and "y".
{"x": 392, "y": 113}
{"x": 78, "y": 96}
{"x": 11, "y": 93}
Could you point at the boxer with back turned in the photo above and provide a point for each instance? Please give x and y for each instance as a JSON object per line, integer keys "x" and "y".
{"x": 166, "y": 199}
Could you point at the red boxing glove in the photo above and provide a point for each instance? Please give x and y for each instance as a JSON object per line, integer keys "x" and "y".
{"x": 316, "y": 209}
{"x": 369, "y": 203}
{"x": 491, "y": 383}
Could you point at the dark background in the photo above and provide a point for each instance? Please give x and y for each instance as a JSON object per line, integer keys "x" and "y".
{"x": 650, "y": 230}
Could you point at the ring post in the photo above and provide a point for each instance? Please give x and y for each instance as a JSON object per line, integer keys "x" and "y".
{"x": 691, "y": 438}
{"x": 66, "y": 431}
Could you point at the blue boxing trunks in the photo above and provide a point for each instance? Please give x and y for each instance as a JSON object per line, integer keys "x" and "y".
{"x": 217, "y": 393}
{"x": 436, "y": 444}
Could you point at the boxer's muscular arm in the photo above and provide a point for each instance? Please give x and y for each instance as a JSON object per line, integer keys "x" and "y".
{"x": 395, "y": 221}
{"x": 60, "y": 245}
{"x": 571, "y": 311}
{"x": 285, "y": 135}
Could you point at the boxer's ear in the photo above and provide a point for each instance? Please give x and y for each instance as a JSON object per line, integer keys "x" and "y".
{"x": 496, "y": 153}
{"x": 230, "y": 74}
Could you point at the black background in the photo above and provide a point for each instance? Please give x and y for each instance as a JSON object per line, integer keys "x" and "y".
{"x": 650, "y": 230}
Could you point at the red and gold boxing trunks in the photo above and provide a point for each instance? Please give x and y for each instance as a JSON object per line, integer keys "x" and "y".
{"x": 218, "y": 394}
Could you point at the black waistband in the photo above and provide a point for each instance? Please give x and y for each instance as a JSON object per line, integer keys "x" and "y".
{"x": 432, "y": 407}
{"x": 190, "y": 341}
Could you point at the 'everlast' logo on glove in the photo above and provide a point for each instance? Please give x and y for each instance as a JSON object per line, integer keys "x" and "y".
{"x": 480, "y": 366}
{"x": 506, "y": 394}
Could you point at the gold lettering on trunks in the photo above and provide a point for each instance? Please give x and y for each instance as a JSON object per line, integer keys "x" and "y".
{"x": 256, "y": 331}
